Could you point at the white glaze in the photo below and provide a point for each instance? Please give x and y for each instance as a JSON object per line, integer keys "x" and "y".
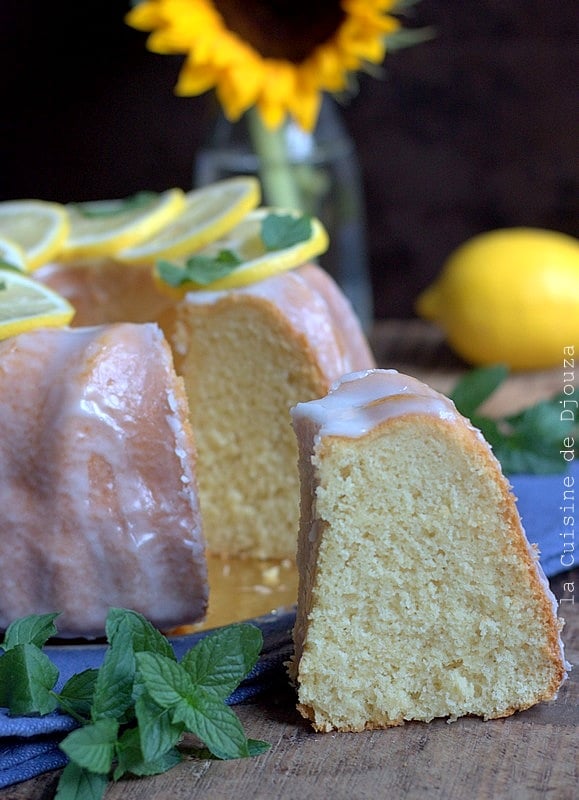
{"x": 360, "y": 401}
{"x": 98, "y": 504}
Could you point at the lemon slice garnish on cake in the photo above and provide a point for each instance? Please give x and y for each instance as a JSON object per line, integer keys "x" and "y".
{"x": 26, "y": 304}
{"x": 12, "y": 255}
{"x": 39, "y": 227}
{"x": 102, "y": 227}
{"x": 209, "y": 212}
{"x": 267, "y": 241}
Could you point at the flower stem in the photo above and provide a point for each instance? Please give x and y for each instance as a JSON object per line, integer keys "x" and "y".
{"x": 276, "y": 172}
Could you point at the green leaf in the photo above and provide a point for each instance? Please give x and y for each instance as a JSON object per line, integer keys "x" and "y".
{"x": 35, "y": 629}
{"x": 165, "y": 680}
{"x": 214, "y": 723}
{"x": 517, "y": 460}
{"x": 525, "y": 443}
{"x": 77, "y": 783}
{"x": 7, "y": 265}
{"x": 220, "y": 661}
{"x": 113, "y": 692}
{"x": 136, "y": 631}
{"x": 476, "y": 386}
{"x": 27, "y": 677}
{"x": 255, "y": 747}
{"x": 93, "y": 746}
{"x": 77, "y": 694}
{"x": 130, "y": 757}
{"x": 158, "y": 733}
{"x": 199, "y": 269}
{"x": 112, "y": 208}
{"x": 541, "y": 426}
{"x": 279, "y": 231}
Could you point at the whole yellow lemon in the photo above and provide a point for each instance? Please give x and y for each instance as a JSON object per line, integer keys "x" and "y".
{"x": 508, "y": 296}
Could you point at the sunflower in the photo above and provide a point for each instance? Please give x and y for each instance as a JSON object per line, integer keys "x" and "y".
{"x": 278, "y": 56}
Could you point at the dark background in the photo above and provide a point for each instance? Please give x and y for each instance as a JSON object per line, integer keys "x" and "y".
{"x": 477, "y": 129}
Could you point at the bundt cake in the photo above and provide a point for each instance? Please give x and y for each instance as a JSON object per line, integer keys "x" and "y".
{"x": 419, "y": 596}
{"x": 104, "y": 290}
{"x": 98, "y": 498}
{"x": 247, "y": 355}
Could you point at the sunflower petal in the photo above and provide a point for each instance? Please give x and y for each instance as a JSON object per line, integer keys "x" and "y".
{"x": 222, "y": 58}
{"x": 194, "y": 80}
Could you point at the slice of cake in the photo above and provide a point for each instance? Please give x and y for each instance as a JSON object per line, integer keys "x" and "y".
{"x": 247, "y": 355}
{"x": 98, "y": 499}
{"x": 419, "y": 595}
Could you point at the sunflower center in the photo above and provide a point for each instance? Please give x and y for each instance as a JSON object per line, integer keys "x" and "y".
{"x": 282, "y": 29}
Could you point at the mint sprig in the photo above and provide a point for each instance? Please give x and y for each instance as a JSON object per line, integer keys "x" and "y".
{"x": 277, "y": 232}
{"x": 529, "y": 441}
{"x": 199, "y": 269}
{"x": 134, "y": 709}
{"x": 112, "y": 208}
{"x": 280, "y": 231}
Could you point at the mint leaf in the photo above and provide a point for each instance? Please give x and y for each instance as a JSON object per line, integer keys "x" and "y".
{"x": 7, "y": 265}
{"x": 541, "y": 426}
{"x": 200, "y": 706}
{"x": 27, "y": 677}
{"x": 132, "y": 627}
{"x": 165, "y": 680}
{"x": 256, "y": 747}
{"x": 111, "y": 208}
{"x": 113, "y": 693}
{"x": 199, "y": 269}
{"x": 93, "y": 746}
{"x": 77, "y": 783}
{"x": 220, "y": 661}
{"x": 214, "y": 723}
{"x": 35, "y": 629}
{"x": 279, "y": 231}
{"x": 130, "y": 757}
{"x": 527, "y": 442}
{"x": 518, "y": 460}
{"x": 77, "y": 694}
{"x": 476, "y": 386}
{"x": 157, "y": 730}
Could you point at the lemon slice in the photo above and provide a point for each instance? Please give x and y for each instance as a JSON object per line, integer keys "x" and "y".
{"x": 38, "y": 226}
{"x": 255, "y": 261}
{"x": 12, "y": 255}
{"x": 208, "y": 213}
{"x": 101, "y": 227}
{"x": 26, "y": 304}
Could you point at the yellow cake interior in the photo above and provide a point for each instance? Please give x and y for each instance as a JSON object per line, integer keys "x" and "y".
{"x": 419, "y": 602}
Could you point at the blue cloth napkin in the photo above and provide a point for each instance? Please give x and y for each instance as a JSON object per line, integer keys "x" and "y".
{"x": 29, "y": 745}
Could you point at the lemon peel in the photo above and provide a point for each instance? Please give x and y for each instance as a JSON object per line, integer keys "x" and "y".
{"x": 40, "y": 228}
{"x": 508, "y": 296}
{"x": 26, "y": 304}
{"x": 208, "y": 213}
{"x": 102, "y": 227}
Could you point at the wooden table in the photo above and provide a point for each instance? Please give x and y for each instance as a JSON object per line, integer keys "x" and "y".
{"x": 529, "y": 756}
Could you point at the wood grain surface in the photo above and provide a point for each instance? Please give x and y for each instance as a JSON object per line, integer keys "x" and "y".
{"x": 529, "y": 756}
